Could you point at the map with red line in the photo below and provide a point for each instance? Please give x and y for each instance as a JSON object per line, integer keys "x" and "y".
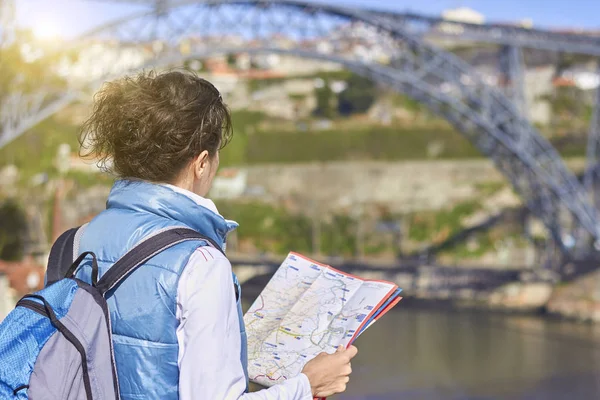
{"x": 305, "y": 309}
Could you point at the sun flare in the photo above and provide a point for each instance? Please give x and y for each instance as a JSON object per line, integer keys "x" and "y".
{"x": 46, "y": 30}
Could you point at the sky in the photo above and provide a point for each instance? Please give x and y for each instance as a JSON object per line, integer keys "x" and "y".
{"x": 69, "y": 18}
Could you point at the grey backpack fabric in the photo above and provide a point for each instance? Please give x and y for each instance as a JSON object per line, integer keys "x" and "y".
{"x": 83, "y": 339}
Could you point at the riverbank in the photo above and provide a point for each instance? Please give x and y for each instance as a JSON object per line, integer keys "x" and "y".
{"x": 578, "y": 300}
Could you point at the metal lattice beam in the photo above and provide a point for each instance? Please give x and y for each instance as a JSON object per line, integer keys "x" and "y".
{"x": 592, "y": 174}
{"x": 439, "y": 28}
{"x": 365, "y": 43}
{"x": 501, "y": 34}
{"x": 512, "y": 67}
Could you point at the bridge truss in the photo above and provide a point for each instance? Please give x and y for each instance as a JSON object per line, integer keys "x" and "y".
{"x": 393, "y": 52}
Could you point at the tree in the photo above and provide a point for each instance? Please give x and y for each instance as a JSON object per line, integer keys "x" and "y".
{"x": 231, "y": 60}
{"x": 358, "y": 97}
{"x": 340, "y": 236}
{"x": 326, "y": 100}
{"x": 13, "y": 228}
{"x": 27, "y": 66}
{"x": 570, "y": 107}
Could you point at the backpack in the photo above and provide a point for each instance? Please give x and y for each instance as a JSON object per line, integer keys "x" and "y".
{"x": 57, "y": 343}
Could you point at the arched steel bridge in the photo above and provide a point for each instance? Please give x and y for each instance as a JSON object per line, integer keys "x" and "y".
{"x": 169, "y": 32}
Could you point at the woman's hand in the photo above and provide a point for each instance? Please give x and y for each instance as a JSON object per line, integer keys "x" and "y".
{"x": 328, "y": 374}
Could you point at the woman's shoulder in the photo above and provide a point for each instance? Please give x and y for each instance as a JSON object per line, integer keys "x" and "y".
{"x": 206, "y": 260}
{"x": 205, "y": 265}
{"x": 207, "y": 254}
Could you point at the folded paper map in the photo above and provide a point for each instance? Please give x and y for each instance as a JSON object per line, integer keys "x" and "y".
{"x": 308, "y": 308}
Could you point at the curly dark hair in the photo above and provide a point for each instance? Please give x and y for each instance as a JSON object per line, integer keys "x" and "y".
{"x": 151, "y": 125}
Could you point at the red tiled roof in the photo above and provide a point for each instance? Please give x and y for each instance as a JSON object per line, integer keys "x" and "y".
{"x": 560, "y": 81}
{"x": 18, "y": 273}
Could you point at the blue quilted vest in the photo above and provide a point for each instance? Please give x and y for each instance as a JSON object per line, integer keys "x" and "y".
{"x": 143, "y": 307}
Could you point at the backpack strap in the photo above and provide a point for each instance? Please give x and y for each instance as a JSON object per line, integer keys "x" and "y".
{"x": 145, "y": 250}
{"x": 77, "y": 241}
{"x": 64, "y": 251}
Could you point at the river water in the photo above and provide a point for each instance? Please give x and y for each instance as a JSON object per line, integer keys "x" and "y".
{"x": 416, "y": 352}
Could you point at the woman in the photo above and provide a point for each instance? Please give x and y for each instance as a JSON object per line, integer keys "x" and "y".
{"x": 177, "y": 328}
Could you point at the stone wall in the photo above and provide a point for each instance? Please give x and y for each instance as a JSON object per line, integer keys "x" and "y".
{"x": 402, "y": 186}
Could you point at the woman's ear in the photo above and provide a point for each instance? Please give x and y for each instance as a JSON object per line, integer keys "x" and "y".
{"x": 201, "y": 165}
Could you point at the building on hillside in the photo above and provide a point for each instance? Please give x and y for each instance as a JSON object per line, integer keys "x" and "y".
{"x": 561, "y": 81}
{"x": 24, "y": 276}
{"x": 582, "y": 78}
{"x": 288, "y": 65}
{"x": 360, "y": 41}
{"x": 243, "y": 61}
{"x": 290, "y": 99}
{"x": 525, "y": 23}
{"x": 217, "y": 64}
{"x": 100, "y": 58}
{"x": 461, "y": 14}
{"x": 538, "y": 85}
{"x": 226, "y": 82}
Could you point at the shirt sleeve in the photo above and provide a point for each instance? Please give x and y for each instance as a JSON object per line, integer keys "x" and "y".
{"x": 209, "y": 336}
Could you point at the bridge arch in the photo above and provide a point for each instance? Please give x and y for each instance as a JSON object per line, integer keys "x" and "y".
{"x": 443, "y": 82}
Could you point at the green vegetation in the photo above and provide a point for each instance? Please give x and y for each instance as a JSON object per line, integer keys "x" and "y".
{"x": 327, "y": 103}
{"x": 86, "y": 180}
{"x": 274, "y": 230}
{"x": 13, "y": 228}
{"x": 269, "y": 228}
{"x": 231, "y": 60}
{"x": 484, "y": 244}
{"x": 435, "y": 228}
{"x": 571, "y": 109}
{"x": 339, "y": 236}
{"x": 254, "y": 142}
{"x": 20, "y": 74}
{"x": 438, "y": 226}
{"x": 360, "y": 143}
{"x": 358, "y": 97}
{"x": 245, "y": 124}
{"x": 342, "y": 75}
{"x": 35, "y": 151}
{"x": 489, "y": 188}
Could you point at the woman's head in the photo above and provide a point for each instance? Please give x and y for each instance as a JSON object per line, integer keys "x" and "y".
{"x": 166, "y": 127}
